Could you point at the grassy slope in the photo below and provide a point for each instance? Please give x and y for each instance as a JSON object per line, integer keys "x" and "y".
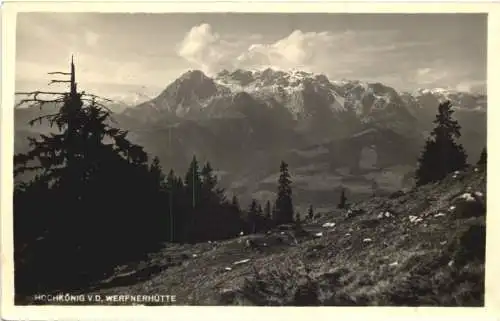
{"x": 436, "y": 261}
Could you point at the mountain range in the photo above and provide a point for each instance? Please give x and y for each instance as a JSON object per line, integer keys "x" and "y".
{"x": 362, "y": 136}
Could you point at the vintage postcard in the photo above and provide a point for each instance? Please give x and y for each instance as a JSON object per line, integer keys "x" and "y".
{"x": 167, "y": 157}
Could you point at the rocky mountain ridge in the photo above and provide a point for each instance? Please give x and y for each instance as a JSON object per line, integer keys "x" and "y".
{"x": 194, "y": 91}
{"x": 246, "y": 122}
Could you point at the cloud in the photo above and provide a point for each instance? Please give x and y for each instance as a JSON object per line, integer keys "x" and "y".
{"x": 322, "y": 52}
{"x": 209, "y": 51}
{"x": 422, "y": 72}
{"x": 255, "y": 37}
{"x": 308, "y": 51}
{"x": 340, "y": 54}
{"x": 91, "y": 38}
{"x": 447, "y": 74}
{"x": 430, "y": 75}
{"x": 478, "y": 86}
{"x": 205, "y": 48}
{"x": 372, "y": 55}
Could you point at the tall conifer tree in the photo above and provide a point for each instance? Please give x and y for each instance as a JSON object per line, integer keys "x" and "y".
{"x": 310, "y": 213}
{"x": 483, "y": 158}
{"x": 442, "y": 154}
{"x": 284, "y": 204}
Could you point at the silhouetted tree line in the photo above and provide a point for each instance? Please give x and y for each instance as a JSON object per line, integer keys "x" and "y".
{"x": 93, "y": 202}
{"x": 198, "y": 209}
{"x": 442, "y": 153}
{"x": 98, "y": 201}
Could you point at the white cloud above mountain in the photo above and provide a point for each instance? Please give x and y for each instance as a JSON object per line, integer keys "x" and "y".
{"x": 203, "y": 47}
{"x": 426, "y": 76}
{"x": 154, "y": 49}
{"x": 378, "y": 55}
{"x": 308, "y": 51}
{"x": 299, "y": 50}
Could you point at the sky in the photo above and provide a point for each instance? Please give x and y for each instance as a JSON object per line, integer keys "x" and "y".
{"x": 122, "y": 55}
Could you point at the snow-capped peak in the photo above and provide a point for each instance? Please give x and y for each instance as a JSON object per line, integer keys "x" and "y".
{"x": 434, "y": 91}
{"x": 129, "y": 98}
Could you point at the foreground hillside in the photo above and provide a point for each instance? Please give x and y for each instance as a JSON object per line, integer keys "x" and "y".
{"x": 424, "y": 247}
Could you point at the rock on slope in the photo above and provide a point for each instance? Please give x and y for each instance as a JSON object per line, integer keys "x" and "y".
{"x": 425, "y": 247}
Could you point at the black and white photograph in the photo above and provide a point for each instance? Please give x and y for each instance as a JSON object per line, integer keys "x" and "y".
{"x": 250, "y": 159}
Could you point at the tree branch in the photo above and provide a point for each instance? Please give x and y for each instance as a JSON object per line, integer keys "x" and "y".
{"x": 98, "y": 97}
{"x": 49, "y": 117}
{"x": 54, "y": 81}
{"x": 38, "y": 92}
{"x": 59, "y": 73}
{"x": 38, "y": 101}
{"x": 98, "y": 104}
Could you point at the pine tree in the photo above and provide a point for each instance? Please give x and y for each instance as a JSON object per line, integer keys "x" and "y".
{"x": 343, "y": 199}
{"x": 267, "y": 211}
{"x": 170, "y": 185}
{"x": 173, "y": 190}
{"x": 210, "y": 193}
{"x": 483, "y": 158}
{"x": 235, "y": 203}
{"x": 375, "y": 187}
{"x": 274, "y": 212}
{"x": 208, "y": 178}
{"x": 210, "y": 182}
{"x": 157, "y": 176}
{"x": 193, "y": 216}
{"x": 310, "y": 213}
{"x": 157, "y": 192}
{"x": 298, "y": 223}
{"x": 253, "y": 216}
{"x": 267, "y": 216}
{"x": 261, "y": 220}
{"x": 284, "y": 205}
{"x": 208, "y": 175}
{"x": 441, "y": 155}
{"x": 260, "y": 211}
{"x": 192, "y": 182}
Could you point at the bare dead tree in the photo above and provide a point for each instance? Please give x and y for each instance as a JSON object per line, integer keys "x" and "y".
{"x": 35, "y": 98}
{"x": 75, "y": 109}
